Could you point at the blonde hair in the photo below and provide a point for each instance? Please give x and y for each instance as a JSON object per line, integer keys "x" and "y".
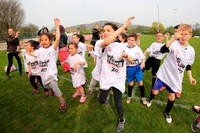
{"x": 186, "y": 27}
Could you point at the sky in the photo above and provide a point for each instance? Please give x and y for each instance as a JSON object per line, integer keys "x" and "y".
{"x": 73, "y": 12}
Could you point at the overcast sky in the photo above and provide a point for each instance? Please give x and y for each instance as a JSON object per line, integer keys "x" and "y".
{"x": 73, "y": 12}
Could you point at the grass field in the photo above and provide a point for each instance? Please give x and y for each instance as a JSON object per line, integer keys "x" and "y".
{"x": 21, "y": 112}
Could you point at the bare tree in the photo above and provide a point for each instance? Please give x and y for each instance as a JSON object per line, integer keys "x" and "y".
{"x": 11, "y": 15}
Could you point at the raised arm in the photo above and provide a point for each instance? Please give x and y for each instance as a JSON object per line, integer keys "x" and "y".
{"x": 57, "y": 23}
{"x": 112, "y": 37}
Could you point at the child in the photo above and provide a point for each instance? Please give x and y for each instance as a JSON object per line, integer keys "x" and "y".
{"x": 155, "y": 56}
{"x": 97, "y": 59}
{"x": 76, "y": 63}
{"x": 33, "y": 66}
{"x": 47, "y": 57}
{"x": 122, "y": 38}
{"x": 82, "y": 47}
{"x": 134, "y": 69}
{"x": 170, "y": 74}
{"x": 113, "y": 70}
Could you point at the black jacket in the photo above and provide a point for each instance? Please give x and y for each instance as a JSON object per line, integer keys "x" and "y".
{"x": 12, "y": 44}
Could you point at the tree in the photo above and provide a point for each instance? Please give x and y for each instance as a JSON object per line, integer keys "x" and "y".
{"x": 11, "y": 15}
{"x": 29, "y": 30}
{"x": 155, "y": 28}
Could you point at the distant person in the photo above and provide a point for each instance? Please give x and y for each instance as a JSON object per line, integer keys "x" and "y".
{"x": 43, "y": 30}
{"x": 63, "y": 49}
{"x": 95, "y": 34}
{"x": 12, "y": 50}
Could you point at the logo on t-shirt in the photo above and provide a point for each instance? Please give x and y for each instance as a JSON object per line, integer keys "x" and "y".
{"x": 116, "y": 64}
{"x": 180, "y": 64}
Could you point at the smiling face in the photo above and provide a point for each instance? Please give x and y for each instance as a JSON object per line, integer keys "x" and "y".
{"x": 108, "y": 30}
{"x": 45, "y": 41}
{"x": 159, "y": 37}
{"x": 72, "y": 49}
{"x": 131, "y": 40}
{"x": 75, "y": 39}
{"x": 185, "y": 37}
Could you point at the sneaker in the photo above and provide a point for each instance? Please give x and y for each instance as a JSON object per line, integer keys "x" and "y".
{"x": 82, "y": 99}
{"x": 168, "y": 117}
{"x": 46, "y": 93}
{"x": 144, "y": 100}
{"x": 52, "y": 92}
{"x": 196, "y": 109}
{"x": 35, "y": 91}
{"x": 128, "y": 100}
{"x": 178, "y": 95}
{"x": 196, "y": 124}
{"x": 120, "y": 126}
{"x": 148, "y": 103}
{"x": 76, "y": 95}
{"x": 62, "y": 106}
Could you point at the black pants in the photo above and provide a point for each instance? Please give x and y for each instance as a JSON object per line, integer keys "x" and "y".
{"x": 152, "y": 63}
{"x": 117, "y": 98}
{"x": 32, "y": 81}
{"x": 10, "y": 62}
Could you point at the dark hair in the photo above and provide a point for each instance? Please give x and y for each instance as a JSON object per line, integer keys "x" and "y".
{"x": 74, "y": 44}
{"x": 176, "y": 27}
{"x": 62, "y": 29}
{"x": 44, "y": 29}
{"x": 114, "y": 26}
{"x": 49, "y": 35}
{"x": 81, "y": 37}
{"x": 124, "y": 36}
{"x": 132, "y": 35}
{"x": 34, "y": 44}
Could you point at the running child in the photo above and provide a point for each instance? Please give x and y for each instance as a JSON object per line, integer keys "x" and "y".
{"x": 155, "y": 57}
{"x": 77, "y": 63}
{"x": 33, "y": 66}
{"x": 134, "y": 69}
{"x": 170, "y": 75}
{"x": 113, "y": 71}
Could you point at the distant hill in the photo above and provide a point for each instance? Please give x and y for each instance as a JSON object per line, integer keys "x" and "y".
{"x": 101, "y": 23}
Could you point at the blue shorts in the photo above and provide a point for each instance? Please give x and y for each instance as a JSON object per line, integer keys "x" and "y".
{"x": 159, "y": 85}
{"x": 134, "y": 72}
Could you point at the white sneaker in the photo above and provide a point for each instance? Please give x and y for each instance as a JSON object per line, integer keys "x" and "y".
{"x": 120, "y": 126}
{"x": 128, "y": 100}
{"x": 168, "y": 117}
{"x": 144, "y": 100}
{"x": 148, "y": 103}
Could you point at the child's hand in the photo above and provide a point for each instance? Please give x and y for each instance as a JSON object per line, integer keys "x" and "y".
{"x": 57, "y": 21}
{"x": 128, "y": 21}
{"x": 193, "y": 81}
{"x": 142, "y": 66}
{"x": 90, "y": 47}
{"x": 76, "y": 67}
{"x": 124, "y": 55}
{"x": 167, "y": 35}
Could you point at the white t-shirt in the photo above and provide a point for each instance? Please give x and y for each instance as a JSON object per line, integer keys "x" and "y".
{"x": 137, "y": 55}
{"x": 97, "y": 52}
{"x": 23, "y": 52}
{"x": 81, "y": 50}
{"x": 154, "y": 50}
{"x": 33, "y": 62}
{"x": 171, "y": 71}
{"x": 47, "y": 58}
{"x": 78, "y": 77}
{"x": 113, "y": 72}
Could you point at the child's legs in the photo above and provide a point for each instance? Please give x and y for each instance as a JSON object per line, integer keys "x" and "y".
{"x": 93, "y": 83}
{"x": 130, "y": 88}
{"x": 118, "y": 103}
{"x": 54, "y": 86}
{"x": 81, "y": 90}
{"x": 103, "y": 94}
{"x": 39, "y": 79}
{"x": 148, "y": 63}
{"x": 155, "y": 68}
{"x": 139, "y": 78}
{"x": 130, "y": 79}
{"x": 32, "y": 81}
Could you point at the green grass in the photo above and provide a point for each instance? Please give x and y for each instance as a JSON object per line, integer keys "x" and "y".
{"x": 21, "y": 112}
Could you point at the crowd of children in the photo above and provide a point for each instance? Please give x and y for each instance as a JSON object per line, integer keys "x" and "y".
{"x": 118, "y": 57}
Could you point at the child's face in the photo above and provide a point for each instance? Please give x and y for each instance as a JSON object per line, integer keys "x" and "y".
{"x": 159, "y": 38}
{"x": 185, "y": 36}
{"x": 75, "y": 39}
{"x": 27, "y": 47}
{"x": 45, "y": 41}
{"x": 131, "y": 40}
{"x": 108, "y": 30}
{"x": 72, "y": 50}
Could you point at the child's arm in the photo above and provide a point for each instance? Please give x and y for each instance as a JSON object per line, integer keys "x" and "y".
{"x": 167, "y": 37}
{"x": 142, "y": 66}
{"x": 57, "y": 23}
{"x": 112, "y": 37}
{"x": 192, "y": 80}
{"x": 138, "y": 39}
{"x": 145, "y": 53}
{"x": 29, "y": 70}
{"x": 77, "y": 64}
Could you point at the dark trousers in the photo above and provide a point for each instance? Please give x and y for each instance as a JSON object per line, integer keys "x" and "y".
{"x": 117, "y": 98}
{"x": 34, "y": 84}
{"x": 10, "y": 62}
